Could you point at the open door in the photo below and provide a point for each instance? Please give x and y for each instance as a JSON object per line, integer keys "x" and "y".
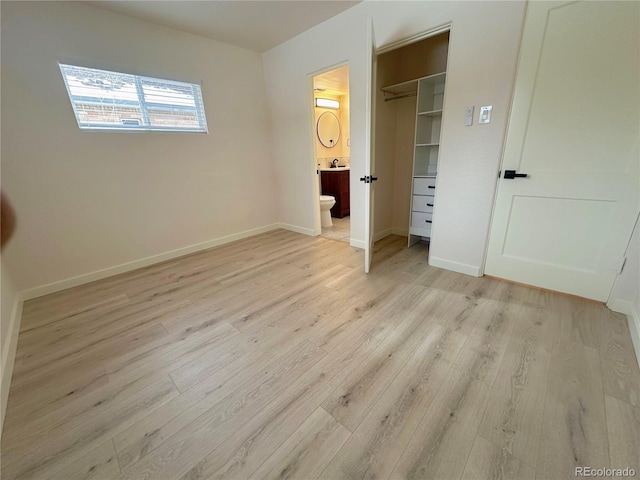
{"x": 568, "y": 191}
{"x": 369, "y": 177}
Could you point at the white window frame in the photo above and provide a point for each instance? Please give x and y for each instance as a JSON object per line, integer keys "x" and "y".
{"x": 142, "y": 104}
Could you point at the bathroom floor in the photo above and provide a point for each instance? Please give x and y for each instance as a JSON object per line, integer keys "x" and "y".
{"x": 341, "y": 230}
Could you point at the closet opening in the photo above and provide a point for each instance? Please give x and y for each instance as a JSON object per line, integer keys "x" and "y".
{"x": 409, "y": 107}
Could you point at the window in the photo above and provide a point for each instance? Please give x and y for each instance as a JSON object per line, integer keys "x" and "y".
{"x": 104, "y": 100}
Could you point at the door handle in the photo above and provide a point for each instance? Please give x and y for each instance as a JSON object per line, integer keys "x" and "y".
{"x": 510, "y": 174}
{"x": 368, "y": 179}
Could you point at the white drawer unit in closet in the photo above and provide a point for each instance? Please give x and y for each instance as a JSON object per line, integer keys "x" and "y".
{"x": 423, "y": 203}
{"x": 421, "y": 219}
{"x": 424, "y": 186}
{"x": 426, "y": 152}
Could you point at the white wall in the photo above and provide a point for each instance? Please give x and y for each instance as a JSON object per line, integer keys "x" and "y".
{"x": 625, "y": 296}
{"x": 345, "y": 125}
{"x": 288, "y": 71}
{"x": 340, "y": 150}
{"x": 394, "y": 138}
{"x": 323, "y": 152}
{"x": 384, "y": 164}
{"x": 7, "y": 300}
{"x": 485, "y": 38}
{"x": 87, "y": 201}
{"x": 9, "y": 311}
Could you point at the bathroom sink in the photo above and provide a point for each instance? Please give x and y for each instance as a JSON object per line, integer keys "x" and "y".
{"x": 334, "y": 169}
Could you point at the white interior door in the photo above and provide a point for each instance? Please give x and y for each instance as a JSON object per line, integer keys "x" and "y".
{"x": 574, "y": 130}
{"x": 370, "y": 160}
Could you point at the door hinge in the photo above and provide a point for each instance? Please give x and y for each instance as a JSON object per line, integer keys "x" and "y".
{"x": 621, "y": 264}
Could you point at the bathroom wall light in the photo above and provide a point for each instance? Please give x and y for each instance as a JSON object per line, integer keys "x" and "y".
{"x": 327, "y": 103}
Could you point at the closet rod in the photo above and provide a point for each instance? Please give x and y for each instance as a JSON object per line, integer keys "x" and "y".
{"x": 401, "y": 96}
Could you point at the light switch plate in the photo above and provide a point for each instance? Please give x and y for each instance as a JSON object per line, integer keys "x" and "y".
{"x": 468, "y": 116}
{"x": 485, "y": 114}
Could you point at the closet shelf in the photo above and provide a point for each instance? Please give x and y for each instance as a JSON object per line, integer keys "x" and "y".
{"x": 425, "y": 154}
{"x": 402, "y": 88}
{"x": 410, "y": 87}
{"x": 434, "y": 79}
{"x": 430, "y": 113}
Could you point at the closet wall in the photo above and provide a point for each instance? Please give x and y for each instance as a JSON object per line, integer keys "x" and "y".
{"x": 402, "y": 168}
{"x": 395, "y": 123}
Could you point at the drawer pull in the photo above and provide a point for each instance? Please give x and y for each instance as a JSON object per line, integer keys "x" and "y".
{"x": 428, "y": 221}
{"x": 432, "y": 186}
{"x": 511, "y": 174}
{"x": 429, "y": 204}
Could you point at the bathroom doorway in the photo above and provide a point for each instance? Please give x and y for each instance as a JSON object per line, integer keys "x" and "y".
{"x": 331, "y": 133}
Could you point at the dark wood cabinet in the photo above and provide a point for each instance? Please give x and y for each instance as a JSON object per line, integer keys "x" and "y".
{"x": 336, "y": 184}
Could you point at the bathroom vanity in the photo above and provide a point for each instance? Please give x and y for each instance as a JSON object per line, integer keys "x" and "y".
{"x": 335, "y": 182}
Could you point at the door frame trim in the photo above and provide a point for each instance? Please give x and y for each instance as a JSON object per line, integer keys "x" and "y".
{"x": 494, "y": 200}
{"x": 446, "y": 27}
{"x": 438, "y": 30}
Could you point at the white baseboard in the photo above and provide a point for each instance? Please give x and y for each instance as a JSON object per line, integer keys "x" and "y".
{"x": 402, "y": 232}
{"x": 382, "y": 234}
{"x": 16, "y": 315}
{"x": 454, "y": 266}
{"x": 357, "y": 243}
{"x": 144, "y": 262}
{"x": 633, "y": 318}
{"x": 297, "y": 229}
{"x": 634, "y": 329}
{"x": 10, "y": 355}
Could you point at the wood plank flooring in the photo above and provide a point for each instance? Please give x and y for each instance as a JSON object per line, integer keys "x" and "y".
{"x": 277, "y": 357}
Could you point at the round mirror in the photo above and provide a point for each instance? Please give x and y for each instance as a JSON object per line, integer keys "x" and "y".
{"x": 328, "y": 129}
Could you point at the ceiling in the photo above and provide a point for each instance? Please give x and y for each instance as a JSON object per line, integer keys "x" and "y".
{"x": 255, "y": 25}
{"x": 334, "y": 81}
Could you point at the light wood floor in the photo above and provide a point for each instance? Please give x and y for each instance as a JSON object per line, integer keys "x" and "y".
{"x": 276, "y": 357}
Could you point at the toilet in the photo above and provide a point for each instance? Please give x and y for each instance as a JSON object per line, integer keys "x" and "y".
{"x": 326, "y": 202}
